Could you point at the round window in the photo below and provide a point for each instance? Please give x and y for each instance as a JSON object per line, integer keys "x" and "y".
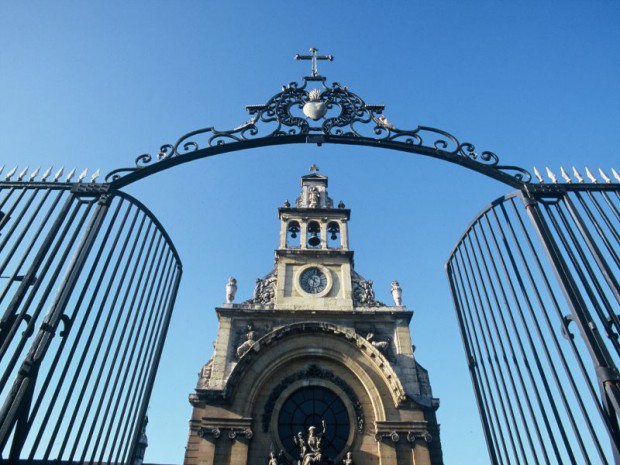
{"x": 310, "y": 406}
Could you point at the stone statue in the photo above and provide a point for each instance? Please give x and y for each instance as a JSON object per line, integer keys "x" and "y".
{"x": 249, "y": 343}
{"x": 231, "y": 290}
{"x": 301, "y": 443}
{"x": 313, "y": 198}
{"x": 368, "y": 294}
{"x": 348, "y": 460}
{"x": 273, "y": 460}
{"x": 310, "y": 450}
{"x": 382, "y": 346}
{"x": 265, "y": 290}
{"x": 258, "y": 289}
{"x": 397, "y": 294}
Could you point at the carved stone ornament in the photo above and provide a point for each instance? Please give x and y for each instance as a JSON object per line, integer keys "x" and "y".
{"x": 233, "y": 432}
{"x": 392, "y": 435}
{"x": 382, "y": 346}
{"x": 250, "y": 341}
{"x": 264, "y": 290}
{"x": 293, "y": 330}
{"x": 363, "y": 293}
{"x": 205, "y": 374}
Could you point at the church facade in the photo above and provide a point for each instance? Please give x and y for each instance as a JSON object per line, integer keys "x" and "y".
{"x": 313, "y": 369}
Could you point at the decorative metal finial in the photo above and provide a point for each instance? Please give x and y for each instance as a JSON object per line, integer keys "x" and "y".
{"x": 314, "y": 169}
{"x": 314, "y": 57}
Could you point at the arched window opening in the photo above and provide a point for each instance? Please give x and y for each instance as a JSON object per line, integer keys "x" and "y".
{"x": 333, "y": 236}
{"x": 314, "y": 235}
{"x": 292, "y": 234}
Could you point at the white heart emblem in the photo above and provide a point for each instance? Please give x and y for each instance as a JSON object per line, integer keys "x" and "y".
{"x": 315, "y": 110}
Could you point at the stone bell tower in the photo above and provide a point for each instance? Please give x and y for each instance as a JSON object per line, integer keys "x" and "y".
{"x": 313, "y": 369}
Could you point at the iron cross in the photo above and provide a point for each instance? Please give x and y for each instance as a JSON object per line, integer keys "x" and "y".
{"x": 314, "y": 57}
{"x": 314, "y": 169}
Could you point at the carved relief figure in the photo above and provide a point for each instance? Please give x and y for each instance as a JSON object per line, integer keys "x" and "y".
{"x": 249, "y": 343}
{"x": 382, "y": 346}
{"x": 313, "y": 198}
{"x": 397, "y": 293}
{"x": 363, "y": 293}
{"x": 264, "y": 290}
{"x": 348, "y": 460}
{"x": 231, "y": 290}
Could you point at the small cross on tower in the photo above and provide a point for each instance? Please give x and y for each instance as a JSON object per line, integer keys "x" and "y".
{"x": 314, "y": 57}
{"x": 314, "y": 169}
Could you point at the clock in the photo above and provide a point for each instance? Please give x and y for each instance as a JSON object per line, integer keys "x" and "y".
{"x": 312, "y": 280}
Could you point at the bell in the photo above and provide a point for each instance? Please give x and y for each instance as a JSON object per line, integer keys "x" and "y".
{"x": 314, "y": 240}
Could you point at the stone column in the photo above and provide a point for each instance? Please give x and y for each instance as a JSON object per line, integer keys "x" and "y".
{"x": 303, "y": 231}
{"x": 344, "y": 234}
{"x": 283, "y": 232}
{"x": 324, "y": 234}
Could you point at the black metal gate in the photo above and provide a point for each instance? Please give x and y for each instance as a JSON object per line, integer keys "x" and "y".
{"x": 535, "y": 285}
{"x": 88, "y": 279}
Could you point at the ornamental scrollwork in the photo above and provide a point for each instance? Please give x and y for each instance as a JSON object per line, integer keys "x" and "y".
{"x": 318, "y": 109}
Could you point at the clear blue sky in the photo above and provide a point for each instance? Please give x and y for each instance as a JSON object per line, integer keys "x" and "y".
{"x": 94, "y": 84}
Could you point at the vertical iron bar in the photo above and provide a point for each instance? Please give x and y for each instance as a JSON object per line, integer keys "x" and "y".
{"x": 489, "y": 399}
{"x": 489, "y": 342}
{"x": 471, "y": 363}
{"x": 61, "y": 379}
{"x": 157, "y": 357}
{"x": 558, "y": 348}
{"x": 46, "y": 332}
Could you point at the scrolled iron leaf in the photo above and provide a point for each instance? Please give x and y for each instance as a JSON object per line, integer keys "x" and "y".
{"x": 489, "y": 157}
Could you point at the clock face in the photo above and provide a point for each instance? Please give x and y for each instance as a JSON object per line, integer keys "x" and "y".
{"x": 313, "y": 281}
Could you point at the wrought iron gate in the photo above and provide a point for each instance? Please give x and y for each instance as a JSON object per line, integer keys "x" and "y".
{"x": 88, "y": 278}
{"x": 541, "y": 332}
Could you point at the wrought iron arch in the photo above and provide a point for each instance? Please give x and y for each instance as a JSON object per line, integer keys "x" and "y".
{"x": 317, "y": 113}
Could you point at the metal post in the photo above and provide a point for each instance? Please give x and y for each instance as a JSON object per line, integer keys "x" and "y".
{"x": 471, "y": 362}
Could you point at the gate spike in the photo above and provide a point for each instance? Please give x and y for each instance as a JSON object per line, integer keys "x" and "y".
{"x": 591, "y": 176}
{"x": 95, "y": 175}
{"x": 34, "y": 174}
{"x": 46, "y": 174}
{"x": 604, "y": 176}
{"x": 577, "y": 175}
{"x": 82, "y": 175}
{"x": 552, "y": 176}
{"x": 59, "y": 173}
{"x": 565, "y": 175}
{"x": 22, "y": 173}
{"x": 537, "y": 174}
{"x": 1, "y": 168}
{"x": 70, "y": 175}
{"x": 613, "y": 171}
{"x": 10, "y": 173}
